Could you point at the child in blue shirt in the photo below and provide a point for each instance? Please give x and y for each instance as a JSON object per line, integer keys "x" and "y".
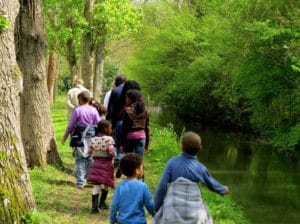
{"x": 186, "y": 166}
{"x": 131, "y": 195}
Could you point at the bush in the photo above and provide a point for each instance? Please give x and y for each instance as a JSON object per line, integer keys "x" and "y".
{"x": 63, "y": 84}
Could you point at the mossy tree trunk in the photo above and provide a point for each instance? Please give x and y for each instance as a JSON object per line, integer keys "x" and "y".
{"x": 36, "y": 123}
{"x": 16, "y": 198}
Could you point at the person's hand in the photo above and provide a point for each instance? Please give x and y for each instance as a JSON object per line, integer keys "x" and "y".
{"x": 90, "y": 151}
{"x": 121, "y": 148}
{"x": 63, "y": 141}
{"x": 227, "y": 189}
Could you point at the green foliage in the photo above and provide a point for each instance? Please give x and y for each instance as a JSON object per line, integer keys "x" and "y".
{"x": 287, "y": 140}
{"x": 115, "y": 19}
{"x": 63, "y": 84}
{"x": 35, "y": 218}
{"x": 64, "y": 21}
{"x": 4, "y": 23}
{"x": 111, "y": 19}
{"x": 269, "y": 74}
{"x": 223, "y": 209}
{"x": 228, "y": 63}
{"x": 164, "y": 47}
{"x": 111, "y": 70}
{"x": 164, "y": 145}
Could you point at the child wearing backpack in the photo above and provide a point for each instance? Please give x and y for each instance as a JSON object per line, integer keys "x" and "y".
{"x": 102, "y": 170}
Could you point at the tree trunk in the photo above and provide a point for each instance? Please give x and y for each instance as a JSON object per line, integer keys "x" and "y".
{"x": 99, "y": 70}
{"x": 87, "y": 54}
{"x": 36, "y": 124}
{"x": 52, "y": 75}
{"x": 16, "y": 198}
{"x": 72, "y": 60}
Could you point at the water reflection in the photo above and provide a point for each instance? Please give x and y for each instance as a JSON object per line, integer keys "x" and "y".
{"x": 265, "y": 182}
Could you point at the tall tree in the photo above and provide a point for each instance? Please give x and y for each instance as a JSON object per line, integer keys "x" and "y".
{"x": 112, "y": 20}
{"x": 52, "y": 71}
{"x": 65, "y": 25}
{"x": 36, "y": 126}
{"x": 99, "y": 70}
{"x": 51, "y": 15}
{"x": 16, "y": 198}
{"x": 52, "y": 74}
{"x": 87, "y": 52}
{"x": 75, "y": 25}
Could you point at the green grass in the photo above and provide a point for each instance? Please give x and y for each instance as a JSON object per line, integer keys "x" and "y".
{"x": 57, "y": 201}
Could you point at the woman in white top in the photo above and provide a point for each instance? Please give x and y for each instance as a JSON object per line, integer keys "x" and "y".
{"x": 72, "y": 100}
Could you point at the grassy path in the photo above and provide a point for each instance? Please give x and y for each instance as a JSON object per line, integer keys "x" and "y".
{"x": 58, "y": 202}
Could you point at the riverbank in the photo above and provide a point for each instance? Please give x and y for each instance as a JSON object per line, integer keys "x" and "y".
{"x": 57, "y": 201}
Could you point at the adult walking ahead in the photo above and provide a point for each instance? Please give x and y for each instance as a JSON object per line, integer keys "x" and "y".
{"x": 72, "y": 95}
{"x": 114, "y": 105}
{"x": 82, "y": 125}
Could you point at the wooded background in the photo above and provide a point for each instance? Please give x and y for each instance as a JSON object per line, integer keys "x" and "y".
{"x": 230, "y": 64}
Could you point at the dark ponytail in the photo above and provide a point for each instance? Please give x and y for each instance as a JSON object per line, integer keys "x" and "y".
{"x": 99, "y": 107}
{"x": 136, "y": 97}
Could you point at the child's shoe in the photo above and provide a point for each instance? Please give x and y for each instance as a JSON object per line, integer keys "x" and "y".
{"x": 102, "y": 204}
{"x": 95, "y": 199}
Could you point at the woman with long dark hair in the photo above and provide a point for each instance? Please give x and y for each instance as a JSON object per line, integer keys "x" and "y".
{"x": 135, "y": 135}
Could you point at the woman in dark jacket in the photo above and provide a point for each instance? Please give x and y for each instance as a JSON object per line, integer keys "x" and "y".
{"x": 135, "y": 135}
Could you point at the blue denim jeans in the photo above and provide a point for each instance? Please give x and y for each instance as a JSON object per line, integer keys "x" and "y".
{"x": 82, "y": 166}
{"x": 136, "y": 146}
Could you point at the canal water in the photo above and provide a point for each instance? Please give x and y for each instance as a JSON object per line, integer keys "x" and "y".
{"x": 264, "y": 182}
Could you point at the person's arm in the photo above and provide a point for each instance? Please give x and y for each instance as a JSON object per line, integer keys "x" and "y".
{"x": 148, "y": 201}
{"x": 127, "y": 123}
{"x": 162, "y": 187}
{"x": 70, "y": 126}
{"x": 147, "y": 131}
{"x": 90, "y": 150}
{"x": 68, "y": 100}
{"x": 111, "y": 151}
{"x": 106, "y": 99}
{"x": 114, "y": 207}
{"x": 111, "y": 105}
{"x": 213, "y": 184}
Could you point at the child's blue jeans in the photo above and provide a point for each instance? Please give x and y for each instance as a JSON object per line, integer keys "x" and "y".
{"x": 82, "y": 166}
{"x": 136, "y": 146}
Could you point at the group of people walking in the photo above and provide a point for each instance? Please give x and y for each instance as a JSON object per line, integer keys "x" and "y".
{"x": 118, "y": 141}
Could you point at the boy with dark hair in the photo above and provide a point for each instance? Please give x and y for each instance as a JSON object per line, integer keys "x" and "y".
{"x": 131, "y": 195}
{"x": 181, "y": 202}
{"x": 84, "y": 97}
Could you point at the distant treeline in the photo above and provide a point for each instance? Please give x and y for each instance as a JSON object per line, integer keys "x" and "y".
{"x": 234, "y": 64}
